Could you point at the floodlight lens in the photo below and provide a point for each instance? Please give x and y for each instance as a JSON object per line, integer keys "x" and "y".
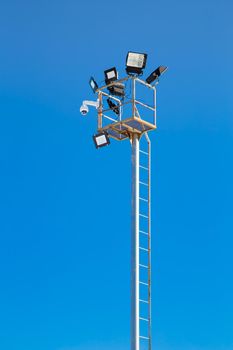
{"x": 135, "y": 60}
{"x": 110, "y": 75}
{"x": 101, "y": 139}
{"x": 93, "y": 84}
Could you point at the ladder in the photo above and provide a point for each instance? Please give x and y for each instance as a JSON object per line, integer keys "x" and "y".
{"x": 141, "y": 244}
{"x": 144, "y": 243}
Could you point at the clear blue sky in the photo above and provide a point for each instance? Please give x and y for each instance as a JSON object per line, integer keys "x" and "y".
{"x": 65, "y": 207}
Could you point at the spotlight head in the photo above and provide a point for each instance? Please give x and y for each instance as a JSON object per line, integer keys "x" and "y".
{"x": 110, "y": 75}
{"x": 135, "y": 62}
{"x": 114, "y": 107}
{"x": 101, "y": 139}
{"x": 156, "y": 74}
{"x": 117, "y": 89}
{"x": 93, "y": 84}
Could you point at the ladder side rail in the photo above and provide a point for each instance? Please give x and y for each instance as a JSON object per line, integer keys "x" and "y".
{"x": 146, "y": 155}
{"x": 149, "y": 239}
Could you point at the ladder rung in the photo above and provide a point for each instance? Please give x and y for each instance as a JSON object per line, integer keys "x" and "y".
{"x": 146, "y": 250}
{"x": 143, "y": 199}
{"x": 145, "y": 284}
{"x": 141, "y": 265}
{"x": 143, "y": 301}
{"x": 142, "y": 337}
{"x": 143, "y": 319}
{"x": 143, "y": 183}
{"x": 144, "y": 216}
{"x": 143, "y": 152}
{"x": 143, "y": 167}
{"x": 145, "y": 233}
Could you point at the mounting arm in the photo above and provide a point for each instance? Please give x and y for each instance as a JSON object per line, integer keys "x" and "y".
{"x": 84, "y": 108}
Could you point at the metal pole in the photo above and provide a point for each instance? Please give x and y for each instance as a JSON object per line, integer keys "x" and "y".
{"x": 135, "y": 245}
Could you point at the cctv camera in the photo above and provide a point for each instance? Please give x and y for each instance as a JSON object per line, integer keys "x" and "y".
{"x": 84, "y": 109}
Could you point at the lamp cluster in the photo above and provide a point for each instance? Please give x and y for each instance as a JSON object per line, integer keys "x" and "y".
{"x": 135, "y": 64}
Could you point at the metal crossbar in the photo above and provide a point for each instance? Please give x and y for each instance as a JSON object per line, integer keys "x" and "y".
{"x": 143, "y": 199}
{"x": 144, "y": 216}
{"x": 143, "y": 183}
{"x": 141, "y": 265}
{"x": 145, "y": 249}
{"x": 143, "y": 167}
{"x": 145, "y": 233}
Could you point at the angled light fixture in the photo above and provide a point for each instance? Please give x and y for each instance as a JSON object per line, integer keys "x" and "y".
{"x": 101, "y": 139}
{"x": 113, "y": 106}
{"x": 135, "y": 63}
{"x": 156, "y": 74}
{"x": 110, "y": 75}
{"x": 93, "y": 84}
{"x": 117, "y": 89}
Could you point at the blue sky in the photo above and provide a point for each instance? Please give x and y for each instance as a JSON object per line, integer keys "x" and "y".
{"x": 65, "y": 207}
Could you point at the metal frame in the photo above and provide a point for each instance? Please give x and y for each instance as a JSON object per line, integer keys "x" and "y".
{"x": 135, "y": 127}
{"x": 125, "y": 129}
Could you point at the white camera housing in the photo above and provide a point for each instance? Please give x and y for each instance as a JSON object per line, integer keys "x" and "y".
{"x": 84, "y": 108}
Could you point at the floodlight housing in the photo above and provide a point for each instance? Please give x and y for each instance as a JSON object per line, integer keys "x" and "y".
{"x": 117, "y": 89}
{"x": 110, "y": 75}
{"x": 156, "y": 74}
{"x": 101, "y": 139}
{"x": 93, "y": 84}
{"x": 113, "y": 106}
{"x": 135, "y": 62}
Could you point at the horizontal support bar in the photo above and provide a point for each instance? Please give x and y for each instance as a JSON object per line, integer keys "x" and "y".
{"x": 143, "y": 319}
{"x": 143, "y": 152}
{"x": 113, "y": 120}
{"x": 145, "y": 233}
{"x": 143, "y": 167}
{"x": 145, "y": 83}
{"x": 145, "y": 249}
{"x": 143, "y": 183}
{"x": 144, "y": 301}
{"x": 145, "y": 284}
{"x": 111, "y": 84}
{"x": 112, "y": 97}
{"x": 141, "y": 265}
{"x": 145, "y": 105}
{"x": 144, "y": 216}
{"x": 142, "y": 337}
{"x": 143, "y": 199}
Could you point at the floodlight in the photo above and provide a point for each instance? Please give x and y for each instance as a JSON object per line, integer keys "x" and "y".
{"x": 156, "y": 74}
{"x": 101, "y": 139}
{"x": 93, "y": 84}
{"x": 110, "y": 75}
{"x": 113, "y": 106}
{"x": 117, "y": 89}
{"x": 135, "y": 62}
